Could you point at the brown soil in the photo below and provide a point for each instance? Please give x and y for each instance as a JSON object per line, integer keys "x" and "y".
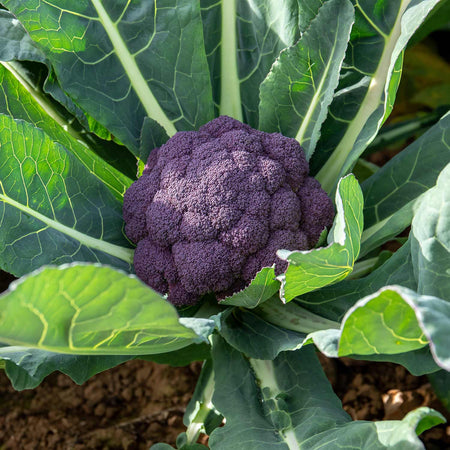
{"x": 140, "y": 403}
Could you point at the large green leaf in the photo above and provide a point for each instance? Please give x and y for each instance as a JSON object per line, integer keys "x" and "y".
{"x": 122, "y": 61}
{"x": 391, "y": 194}
{"x": 366, "y": 90}
{"x": 14, "y": 43}
{"x": 288, "y": 404}
{"x": 27, "y": 367}
{"x": 441, "y": 385}
{"x": 430, "y": 239}
{"x": 313, "y": 269}
{"x": 242, "y": 40}
{"x": 255, "y": 337}
{"x": 91, "y": 309}
{"x": 299, "y": 88}
{"x": 395, "y": 320}
{"x": 262, "y": 287}
{"x": 334, "y": 301}
{"x": 22, "y": 97}
{"x": 20, "y": 100}
{"x": 52, "y": 210}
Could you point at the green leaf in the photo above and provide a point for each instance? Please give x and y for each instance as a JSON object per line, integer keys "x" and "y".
{"x": 381, "y": 323}
{"x": 182, "y": 357}
{"x": 417, "y": 362}
{"x": 334, "y": 301}
{"x": 35, "y": 79}
{"x": 150, "y": 139}
{"x": 394, "y": 320}
{"x": 441, "y": 386}
{"x": 365, "y": 93}
{"x": 242, "y": 39}
{"x": 391, "y": 194}
{"x": 255, "y": 337}
{"x": 200, "y": 415}
{"x": 21, "y": 100}
{"x": 262, "y": 287}
{"x": 430, "y": 239}
{"x": 52, "y": 210}
{"x": 14, "y": 43}
{"x": 299, "y": 88}
{"x": 27, "y": 367}
{"x": 151, "y": 58}
{"x": 90, "y": 309}
{"x": 424, "y": 418}
{"x": 313, "y": 269}
{"x": 437, "y": 19}
{"x": 288, "y": 403}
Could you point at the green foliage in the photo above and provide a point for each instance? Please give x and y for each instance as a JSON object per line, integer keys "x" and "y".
{"x": 310, "y": 270}
{"x": 93, "y": 310}
{"x": 89, "y": 88}
{"x": 299, "y": 88}
{"x": 288, "y": 403}
{"x": 52, "y": 209}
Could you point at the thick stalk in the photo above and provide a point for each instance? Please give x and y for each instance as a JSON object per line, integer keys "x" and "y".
{"x": 338, "y": 164}
{"x": 206, "y": 406}
{"x": 265, "y": 373}
{"x": 293, "y": 317}
{"x": 44, "y": 102}
{"x": 363, "y": 268}
{"x": 230, "y": 95}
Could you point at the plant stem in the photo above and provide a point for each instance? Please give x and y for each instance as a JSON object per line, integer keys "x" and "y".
{"x": 362, "y": 268}
{"x": 44, "y": 102}
{"x": 195, "y": 427}
{"x": 404, "y": 130}
{"x": 230, "y": 95}
{"x": 339, "y": 163}
{"x": 293, "y": 317}
{"x": 128, "y": 61}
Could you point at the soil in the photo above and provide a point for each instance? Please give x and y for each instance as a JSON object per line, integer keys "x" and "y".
{"x": 140, "y": 403}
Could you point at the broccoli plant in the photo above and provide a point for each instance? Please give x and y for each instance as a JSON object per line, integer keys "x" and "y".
{"x": 187, "y": 180}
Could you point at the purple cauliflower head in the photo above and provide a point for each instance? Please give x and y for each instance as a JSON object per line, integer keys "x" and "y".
{"x": 213, "y": 206}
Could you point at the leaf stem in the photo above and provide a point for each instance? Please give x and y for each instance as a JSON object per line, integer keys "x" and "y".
{"x": 43, "y": 101}
{"x": 230, "y": 95}
{"x": 197, "y": 423}
{"x": 123, "y": 253}
{"x": 338, "y": 163}
{"x": 117, "y": 182}
{"x": 293, "y": 317}
{"x": 264, "y": 372}
{"x": 362, "y": 268}
{"x": 137, "y": 80}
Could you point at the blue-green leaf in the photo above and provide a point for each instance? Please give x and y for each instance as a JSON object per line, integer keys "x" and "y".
{"x": 27, "y": 367}
{"x": 430, "y": 239}
{"x": 391, "y": 194}
{"x": 52, "y": 210}
{"x": 366, "y": 89}
{"x": 121, "y": 61}
{"x": 288, "y": 403}
{"x": 299, "y": 88}
{"x": 242, "y": 40}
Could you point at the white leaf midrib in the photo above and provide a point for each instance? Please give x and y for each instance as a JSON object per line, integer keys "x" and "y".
{"x": 123, "y": 253}
{"x": 131, "y": 68}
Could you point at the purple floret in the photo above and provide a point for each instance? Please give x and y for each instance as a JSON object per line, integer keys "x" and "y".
{"x": 213, "y": 206}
